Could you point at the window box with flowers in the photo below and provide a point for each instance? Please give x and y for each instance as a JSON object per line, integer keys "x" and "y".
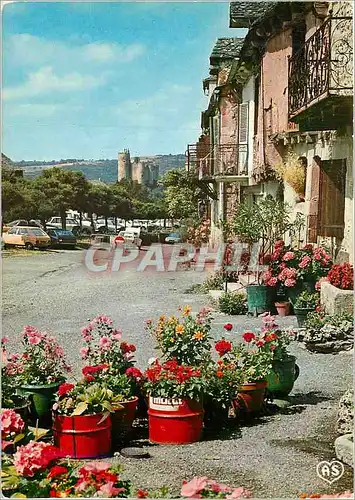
{"x": 104, "y": 347}
{"x": 175, "y": 402}
{"x": 38, "y": 371}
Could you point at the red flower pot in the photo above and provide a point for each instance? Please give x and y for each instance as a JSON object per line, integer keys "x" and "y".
{"x": 174, "y": 421}
{"x": 283, "y": 308}
{"x": 82, "y": 436}
{"x": 251, "y": 396}
{"x": 122, "y": 420}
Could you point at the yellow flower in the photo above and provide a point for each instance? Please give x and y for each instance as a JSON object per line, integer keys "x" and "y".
{"x": 179, "y": 329}
{"x": 186, "y": 310}
{"x": 172, "y": 319}
{"x": 162, "y": 318}
{"x": 198, "y": 335}
{"x": 172, "y": 340}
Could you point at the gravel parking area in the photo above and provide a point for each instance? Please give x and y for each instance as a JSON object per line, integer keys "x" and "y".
{"x": 274, "y": 456}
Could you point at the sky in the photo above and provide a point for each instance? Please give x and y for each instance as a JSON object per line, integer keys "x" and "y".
{"x": 88, "y": 79}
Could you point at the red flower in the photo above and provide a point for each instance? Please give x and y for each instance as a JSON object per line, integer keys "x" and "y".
{"x": 57, "y": 470}
{"x": 260, "y": 343}
{"x": 228, "y": 327}
{"x": 219, "y": 374}
{"x": 248, "y": 336}
{"x": 134, "y": 372}
{"x": 271, "y": 337}
{"x": 65, "y": 388}
{"x": 142, "y": 493}
{"x": 223, "y": 346}
{"x": 89, "y": 378}
{"x": 126, "y": 348}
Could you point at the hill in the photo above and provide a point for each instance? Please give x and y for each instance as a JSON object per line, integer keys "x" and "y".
{"x": 104, "y": 170}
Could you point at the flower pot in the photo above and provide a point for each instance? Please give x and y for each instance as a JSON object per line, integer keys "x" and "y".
{"x": 21, "y": 405}
{"x": 282, "y": 376}
{"x": 294, "y": 292}
{"x": 174, "y": 421}
{"x": 82, "y": 436}
{"x": 122, "y": 420}
{"x": 283, "y": 308}
{"x": 301, "y": 315}
{"x": 214, "y": 415}
{"x": 260, "y": 298}
{"x": 250, "y": 397}
{"x": 41, "y": 398}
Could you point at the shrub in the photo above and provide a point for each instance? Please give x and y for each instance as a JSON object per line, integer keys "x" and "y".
{"x": 307, "y": 300}
{"x": 233, "y": 303}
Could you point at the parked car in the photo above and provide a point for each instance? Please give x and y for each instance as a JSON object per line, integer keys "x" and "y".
{"x": 72, "y": 224}
{"x": 20, "y": 222}
{"x": 173, "y": 238}
{"x": 128, "y": 238}
{"x": 25, "y": 236}
{"x": 61, "y": 237}
{"x": 103, "y": 229}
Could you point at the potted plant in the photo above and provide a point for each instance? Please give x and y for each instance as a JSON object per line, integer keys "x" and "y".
{"x": 283, "y": 307}
{"x": 38, "y": 371}
{"x": 175, "y": 402}
{"x": 223, "y": 380}
{"x": 185, "y": 339}
{"x": 284, "y": 369}
{"x": 305, "y": 303}
{"x": 81, "y": 419}
{"x": 104, "y": 347}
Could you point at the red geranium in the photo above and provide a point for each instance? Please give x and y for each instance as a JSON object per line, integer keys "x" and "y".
{"x": 228, "y": 327}
{"x": 342, "y": 276}
{"x": 248, "y": 336}
{"x": 142, "y": 493}
{"x": 134, "y": 372}
{"x": 65, "y": 388}
{"x": 223, "y": 346}
{"x": 57, "y": 470}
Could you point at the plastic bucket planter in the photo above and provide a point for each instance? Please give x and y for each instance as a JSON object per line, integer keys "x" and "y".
{"x": 260, "y": 298}
{"x": 250, "y": 398}
{"x": 82, "y": 436}
{"x": 122, "y": 420}
{"x": 42, "y": 398}
{"x": 175, "y": 421}
{"x": 282, "y": 377}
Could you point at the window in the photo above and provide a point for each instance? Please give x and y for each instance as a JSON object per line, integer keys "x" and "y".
{"x": 13, "y": 230}
{"x": 243, "y": 134}
{"x": 22, "y": 231}
{"x": 37, "y": 232}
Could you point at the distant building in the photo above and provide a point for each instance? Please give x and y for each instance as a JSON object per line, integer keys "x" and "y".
{"x": 144, "y": 172}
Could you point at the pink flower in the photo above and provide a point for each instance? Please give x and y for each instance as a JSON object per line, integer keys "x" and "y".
{"x": 84, "y": 352}
{"x": 193, "y": 487}
{"x": 108, "y": 490}
{"x": 320, "y": 281}
{"x": 34, "y": 457}
{"x": 4, "y": 340}
{"x": 11, "y": 422}
{"x": 101, "y": 318}
{"x": 290, "y": 283}
{"x": 35, "y": 339}
{"x": 117, "y": 334}
{"x": 305, "y": 262}
{"x": 105, "y": 342}
{"x": 239, "y": 493}
{"x": 288, "y": 256}
{"x": 94, "y": 468}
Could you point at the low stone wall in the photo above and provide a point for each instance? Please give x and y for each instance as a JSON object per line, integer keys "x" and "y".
{"x": 344, "y": 444}
{"x": 336, "y": 301}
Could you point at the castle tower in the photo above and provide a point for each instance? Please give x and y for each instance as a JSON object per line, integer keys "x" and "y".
{"x": 146, "y": 175}
{"x": 154, "y": 174}
{"x": 139, "y": 172}
{"x": 124, "y": 165}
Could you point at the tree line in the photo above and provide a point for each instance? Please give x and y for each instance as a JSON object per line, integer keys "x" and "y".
{"x": 56, "y": 191}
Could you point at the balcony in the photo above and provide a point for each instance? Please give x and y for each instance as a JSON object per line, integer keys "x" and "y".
{"x": 320, "y": 77}
{"x": 224, "y": 160}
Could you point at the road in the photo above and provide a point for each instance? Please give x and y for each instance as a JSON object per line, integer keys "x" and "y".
{"x": 276, "y": 456}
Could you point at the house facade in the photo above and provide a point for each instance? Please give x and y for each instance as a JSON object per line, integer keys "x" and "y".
{"x": 287, "y": 90}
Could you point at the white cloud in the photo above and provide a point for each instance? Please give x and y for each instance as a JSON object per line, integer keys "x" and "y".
{"x": 28, "y": 50}
{"x": 46, "y": 81}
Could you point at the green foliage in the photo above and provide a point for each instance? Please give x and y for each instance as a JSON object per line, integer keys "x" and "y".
{"x": 307, "y": 300}
{"x": 316, "y": 320}
{"x": 233, "y": 303}
{"x": 224, "y": 380}
{"x": 255, "y": 364}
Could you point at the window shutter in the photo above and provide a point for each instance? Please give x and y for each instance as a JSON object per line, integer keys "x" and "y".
{"x": 332, "y": 198}
{"x": 314, "y": 201}
{"x": 243, "y": 138}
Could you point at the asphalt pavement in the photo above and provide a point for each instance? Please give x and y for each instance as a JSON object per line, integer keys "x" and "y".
{"x": 274, "y": 456}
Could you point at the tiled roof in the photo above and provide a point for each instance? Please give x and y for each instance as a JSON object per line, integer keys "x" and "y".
{"x": 226, "y": 48}
{"x": 243, "y": 14}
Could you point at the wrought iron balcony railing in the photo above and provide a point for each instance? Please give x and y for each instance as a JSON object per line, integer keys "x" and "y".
{"x": 323, "y": 66}
{"x": 218, "y": 160}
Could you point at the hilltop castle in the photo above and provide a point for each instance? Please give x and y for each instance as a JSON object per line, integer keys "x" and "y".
{"x": 144, "y": 171}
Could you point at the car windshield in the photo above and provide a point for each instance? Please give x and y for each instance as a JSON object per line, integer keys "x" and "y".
{"x": 37, "y": 232}
{"x": 64, "y": 232}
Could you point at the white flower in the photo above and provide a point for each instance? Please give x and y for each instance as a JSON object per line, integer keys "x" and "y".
{"x": 151, "y": 361}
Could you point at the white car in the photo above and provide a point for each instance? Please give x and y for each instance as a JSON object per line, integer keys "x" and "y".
{"x": 129, "y": 238}
{"x": 71, "y": 224}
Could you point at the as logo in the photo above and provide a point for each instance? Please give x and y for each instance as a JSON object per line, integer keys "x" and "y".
{"x": 330, "y": 471}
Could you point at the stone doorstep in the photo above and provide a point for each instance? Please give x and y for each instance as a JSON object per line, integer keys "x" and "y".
{"x": 344, "y": 449}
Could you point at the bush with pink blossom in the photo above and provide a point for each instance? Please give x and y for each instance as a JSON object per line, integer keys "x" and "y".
{"x": 202, "y": 487}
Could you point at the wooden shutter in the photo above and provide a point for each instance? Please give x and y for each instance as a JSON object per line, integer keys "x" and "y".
{"x": 332, "y": 198}
{"x": 314, "y": 201}
{"x": 243, "y": 134}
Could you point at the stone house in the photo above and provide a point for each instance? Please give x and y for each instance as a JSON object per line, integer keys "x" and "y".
{"x": 285, "y": 88}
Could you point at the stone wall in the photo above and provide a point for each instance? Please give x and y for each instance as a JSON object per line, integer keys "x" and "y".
{"x": 336, "y": 301}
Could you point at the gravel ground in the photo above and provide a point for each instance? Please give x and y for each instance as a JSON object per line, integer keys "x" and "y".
{"x": 274, "y": 456}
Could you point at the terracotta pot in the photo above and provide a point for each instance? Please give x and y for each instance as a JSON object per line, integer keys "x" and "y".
{"x": 283, "y": 308}
{"x": 177, "y": 421}
{"x": 122, "y": 420}
{"x": 250, "y": 397}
